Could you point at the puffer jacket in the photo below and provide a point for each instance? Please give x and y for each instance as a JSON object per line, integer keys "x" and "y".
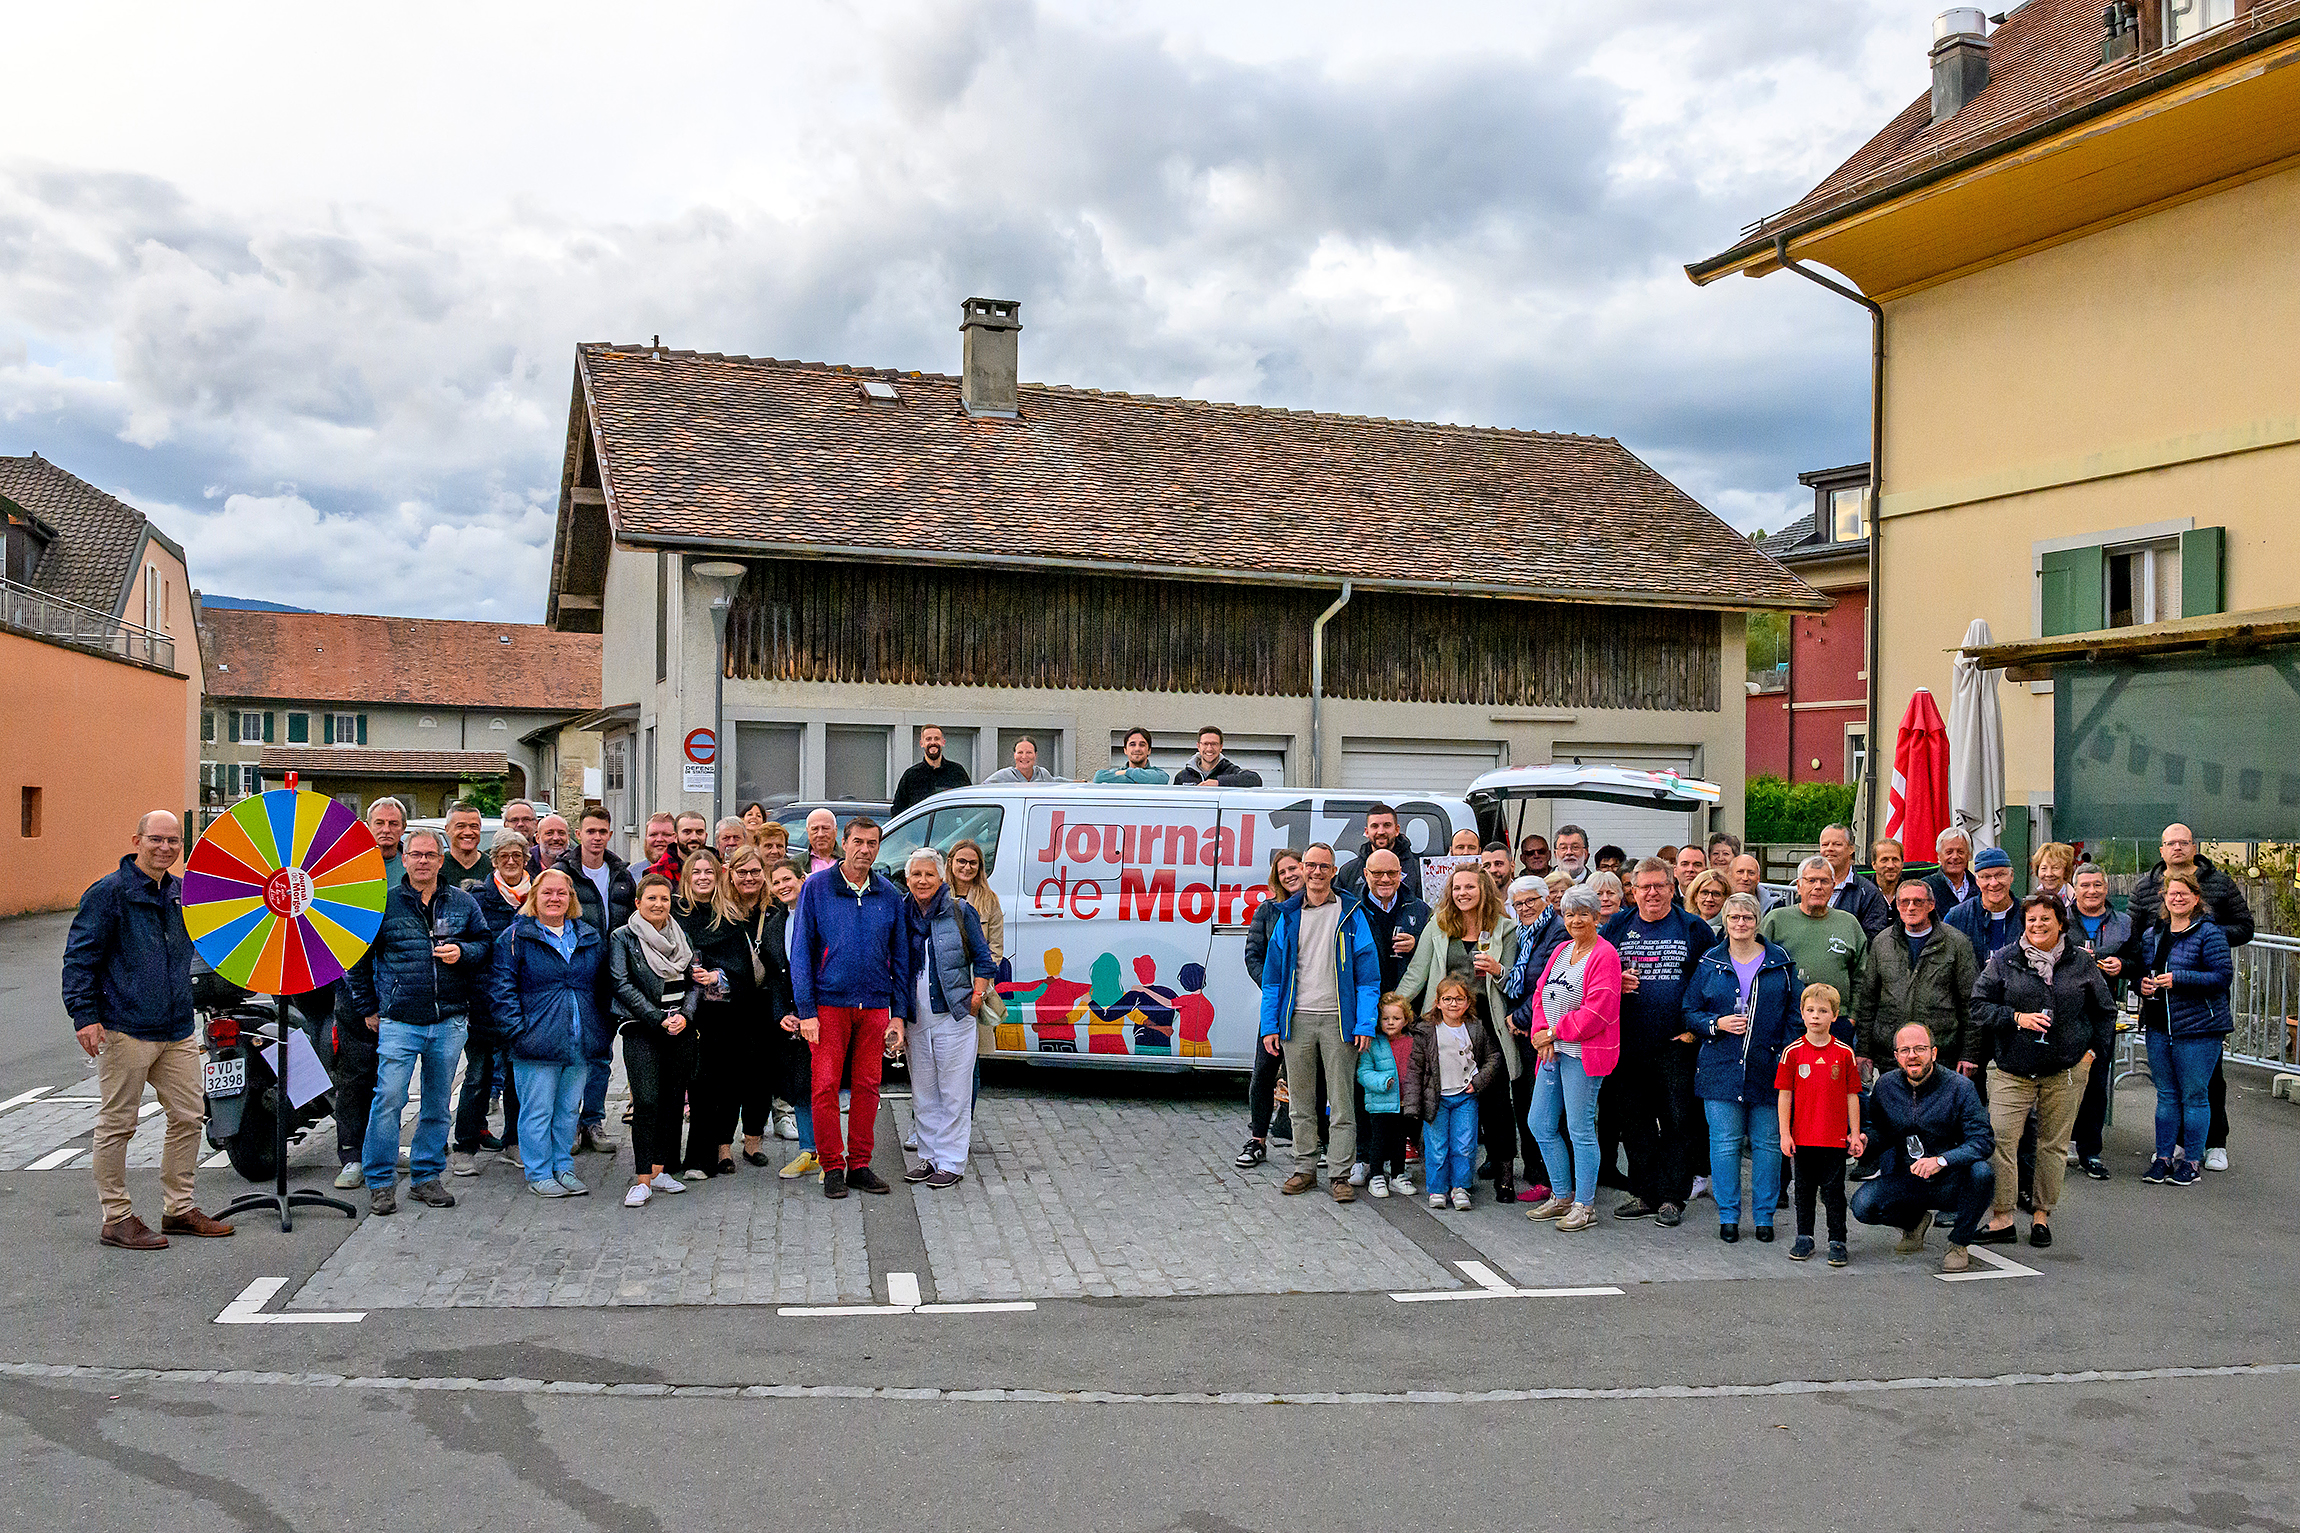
{"x": 545, "y": 1006}
{"x": 2223, "y": 901}
{"x": 2083, "y": 1013}
{"x": 634, "y": 989}
{"x": 1419, "y": 1086}
{"x": 1938, "y": 992}
{"x": 398, "y": 980}
{"x": 2202, "y": 968}
{"x": 1258, "y": 936}
{"x": 1740, "y": 1068}
{"x": 1378, "y": 1076}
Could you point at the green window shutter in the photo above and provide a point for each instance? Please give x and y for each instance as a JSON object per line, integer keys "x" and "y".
{"x": 363, "y": 729}
{"x": 2202, "y": 589}
{"x": 327, "y": 726}
{"x": 232, "y": 726}
{"x": 2074, "y": 591}
{"x": 268, "y": 716}
{"x": 207, "y": 726}
{"x": 299, "y": 729}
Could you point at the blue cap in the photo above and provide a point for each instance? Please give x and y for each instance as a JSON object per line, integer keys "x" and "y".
{"x": 1992, "y": 857}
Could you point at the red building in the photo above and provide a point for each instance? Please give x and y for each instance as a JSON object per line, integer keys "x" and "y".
{"x": 1808, "y": 711}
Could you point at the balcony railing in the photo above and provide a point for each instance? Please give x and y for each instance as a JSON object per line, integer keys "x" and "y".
{"x": 51, "y": 617}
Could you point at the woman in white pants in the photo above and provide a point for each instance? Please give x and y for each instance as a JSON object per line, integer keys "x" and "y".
{"x": 950, "y": 973}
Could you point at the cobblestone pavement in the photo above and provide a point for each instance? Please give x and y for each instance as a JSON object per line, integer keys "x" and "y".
{"x": 1070, "y": 1197}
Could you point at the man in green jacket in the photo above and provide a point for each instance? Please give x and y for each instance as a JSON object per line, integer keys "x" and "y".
{"x": 1826, "y": 943}
{"x": 1919, "y": 971}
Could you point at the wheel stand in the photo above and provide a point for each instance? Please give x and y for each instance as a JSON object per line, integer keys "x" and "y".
{"x": 280, "y": 1197}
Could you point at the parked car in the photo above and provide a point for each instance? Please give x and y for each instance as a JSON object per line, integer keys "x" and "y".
{"x": 793, "y": 815}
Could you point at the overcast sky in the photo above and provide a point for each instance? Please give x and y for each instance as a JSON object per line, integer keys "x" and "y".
{"x": 304, "y": 283}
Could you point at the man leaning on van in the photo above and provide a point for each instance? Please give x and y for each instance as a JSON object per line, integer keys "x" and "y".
{"x": 1321, "y": 994}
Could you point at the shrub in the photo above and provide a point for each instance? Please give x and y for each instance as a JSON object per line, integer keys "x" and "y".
{"x": 1777, "y": 811}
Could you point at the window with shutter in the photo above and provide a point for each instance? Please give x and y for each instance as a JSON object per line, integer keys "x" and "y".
{"x": 207, "y": 726}
{"x": 2073, "y": 590}
{"x": 268, "y": 726}
{"x": 2202, "y": 551}
{"x": 363, "y": 729}
{"x": 327, "y": 727}
{"x": 299, "y": 729}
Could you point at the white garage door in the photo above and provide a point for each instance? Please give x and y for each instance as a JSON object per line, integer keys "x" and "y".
{"x": 1173, "y": 751}
{"x": 1636, "y": 831}
{"x": 1420, "y": 766}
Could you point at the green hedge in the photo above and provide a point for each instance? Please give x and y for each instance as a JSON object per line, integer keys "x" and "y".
{"x": 1778, "y": 811}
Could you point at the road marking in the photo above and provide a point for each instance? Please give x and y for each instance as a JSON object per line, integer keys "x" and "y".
{"x": 1491, "y": 1285}
{"x": 902, "y": 1290}
{"x": 215, "y": 1378}
{"x": 2005, "y": 1267}
{"x": 247, "y": 1309}
{"x": 22, "y": 1097}
{"x": 55, "y": 1158}
{"x": 220, "y": 1158}
{"x": 147, "y": 1110}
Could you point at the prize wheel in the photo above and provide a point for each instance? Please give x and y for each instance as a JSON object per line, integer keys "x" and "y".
{"x": 284, "y": 893}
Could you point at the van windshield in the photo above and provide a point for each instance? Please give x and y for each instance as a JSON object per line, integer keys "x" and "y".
{"x": 942, "y": 828}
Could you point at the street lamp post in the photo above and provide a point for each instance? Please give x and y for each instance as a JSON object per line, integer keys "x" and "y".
{"x": 726, "y": 575}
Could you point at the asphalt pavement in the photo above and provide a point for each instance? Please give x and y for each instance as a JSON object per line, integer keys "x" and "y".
{"x": 1198, "y": 1352}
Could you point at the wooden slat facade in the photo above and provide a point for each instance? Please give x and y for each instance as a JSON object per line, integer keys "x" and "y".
{"x": 848, "y": 623}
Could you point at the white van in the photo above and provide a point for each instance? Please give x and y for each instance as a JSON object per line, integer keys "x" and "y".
{"x": 1127, "y": 906}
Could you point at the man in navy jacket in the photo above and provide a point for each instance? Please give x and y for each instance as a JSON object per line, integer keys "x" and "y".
{"x": 1937, "y": 1144}
{"x": 128, "y": 989}
{"x": 1648, "y": 1101}
{"x": 850, "y": 979}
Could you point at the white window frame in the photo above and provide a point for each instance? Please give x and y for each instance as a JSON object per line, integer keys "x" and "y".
{"x": 251, "y": 727}
{"x": 2144, "y": 596}
{"x": 344, "y": 736}
{"x": 2109, "y": 538}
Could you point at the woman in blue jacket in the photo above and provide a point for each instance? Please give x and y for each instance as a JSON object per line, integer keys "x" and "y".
{"x": 1742, "y": 1004}
{"x": 2185, "y": 970}
{"x": 544, "y": 987}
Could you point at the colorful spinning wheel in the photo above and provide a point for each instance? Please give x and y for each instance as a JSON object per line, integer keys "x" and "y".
{"x": 284, "y": 893}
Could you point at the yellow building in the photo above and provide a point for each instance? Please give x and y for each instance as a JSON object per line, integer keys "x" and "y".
{"x": 2081, "y": 250}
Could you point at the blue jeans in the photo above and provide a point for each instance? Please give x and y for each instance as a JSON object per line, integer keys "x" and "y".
{"x": 2182, "y": 1069}
{"x": 805, "y": 1113}
{"x": 1449, "y": 1144}
{"x": 1564, "y": 1090}
{"x": 399, "y": 1047}
{"x": 1734, "y": 1127}
{"x": 549, "y": 1097}
{"x": 595, "y": 1089}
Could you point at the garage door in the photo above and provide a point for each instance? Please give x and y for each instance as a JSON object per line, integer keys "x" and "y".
{"x": 1418, "y": 766}
{"x": 1173, "y": 751}
{"x": 1636, "y": 831}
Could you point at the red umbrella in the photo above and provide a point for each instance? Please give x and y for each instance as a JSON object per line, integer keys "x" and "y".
{"x": 1919, "y": 802}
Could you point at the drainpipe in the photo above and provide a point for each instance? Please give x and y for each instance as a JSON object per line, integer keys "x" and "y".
{"x": 1869, "y": 658}
{"x": 1318, "y": 685}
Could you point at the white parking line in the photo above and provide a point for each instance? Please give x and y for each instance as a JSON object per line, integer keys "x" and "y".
{"x": 55, "y": 1158}
{"x": 247, "y": 1309}
{"x": 1491, "y": 1286}
{"x": 902, "y": 1288}
{"x": 21, "y": 1097}
{"x": 2005, "y": 1268}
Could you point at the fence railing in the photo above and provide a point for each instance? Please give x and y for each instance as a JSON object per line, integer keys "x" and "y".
{"x": 2266, "y": 1001}
{"x": 51, "y": 617}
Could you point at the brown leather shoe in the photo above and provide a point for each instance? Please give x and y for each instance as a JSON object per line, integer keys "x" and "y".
{"x": 1300, "y": 1181}
{"x": 1343, "y": 1191}
{"x": 193, "y": 1222}
{"x": 132, "y": 1234}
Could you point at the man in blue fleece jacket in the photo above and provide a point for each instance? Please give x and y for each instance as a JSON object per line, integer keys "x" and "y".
{"x": 850, "y": 967}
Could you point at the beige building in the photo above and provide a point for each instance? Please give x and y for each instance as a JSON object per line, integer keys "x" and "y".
{"x": 2083, "y": 251}
{"x": 1358, "y": 603}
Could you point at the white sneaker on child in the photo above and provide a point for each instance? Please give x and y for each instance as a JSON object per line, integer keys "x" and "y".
{"x": 1461, "y": 1197}
{"x": 1437, "y": 1200}
{"x": 1402, "y": 1185}
{"x": 1378, "y": 1187}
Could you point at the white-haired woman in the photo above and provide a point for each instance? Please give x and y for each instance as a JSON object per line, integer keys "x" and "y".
{"x": 951, "y": 968}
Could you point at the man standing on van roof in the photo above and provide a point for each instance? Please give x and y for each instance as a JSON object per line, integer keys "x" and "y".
{"x": 1025, "y": 768}
{"x": 1137, "y": 768}
{"x": 1382, "y": 835}
{"x": 937, "y": 773}
{"x": 1321, "y": 994}
{"x": 1210, "y": 768}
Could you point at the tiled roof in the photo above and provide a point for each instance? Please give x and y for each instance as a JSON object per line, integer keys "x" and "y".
{"x": 353, "y": 761}
{"x": 2044, "y": 62}
{"x": 97, "y": 536}
{"x": 424, "y": 662}
{"x": 702, "y": 450}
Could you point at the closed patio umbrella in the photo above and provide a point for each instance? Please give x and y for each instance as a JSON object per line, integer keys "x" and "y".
{"x": 1976, "y": 746}
{"x": 1918, "y": 807}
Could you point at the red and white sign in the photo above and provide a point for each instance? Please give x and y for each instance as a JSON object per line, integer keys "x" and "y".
{"x": 702, "y": 746}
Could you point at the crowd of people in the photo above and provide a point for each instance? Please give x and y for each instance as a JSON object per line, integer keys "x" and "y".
{"x": 1573, "y": 1020}
{"x": 1942, "y": 1044}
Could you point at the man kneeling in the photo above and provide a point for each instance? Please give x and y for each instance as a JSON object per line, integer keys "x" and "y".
{"x": 1936, "y": 1139}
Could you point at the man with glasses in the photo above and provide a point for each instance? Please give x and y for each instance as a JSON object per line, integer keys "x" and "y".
{"x": 1395, "y": 916}
{"x": 1321, "y": 994}
{"x": 1923, "y": 972}
{"x": 2226, "y": 908}
{"x": 1533, "y": 856}
{"x": 1572, "y": 845}
{"x": 1937, "y": 1145}
{"x": 519, "y": 815}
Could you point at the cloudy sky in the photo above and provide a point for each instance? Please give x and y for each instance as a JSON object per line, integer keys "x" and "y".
{"x": 306, "y": 287}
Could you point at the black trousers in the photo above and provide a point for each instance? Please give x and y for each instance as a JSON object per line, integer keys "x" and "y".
{"x": 1661, "y": 1119}
{"x": 483, "y": 1055}
{"x": 2092, "y": 1112}
{"x": 1820, "y": 1172}
{"x": 1384, "y": 1144}
{"x": 659, "y": 1067}
{"x": 2216, "y": 1133}
{"x": 1898, "y": 1197}
{"x": 1262, "y": 1091}
{"x": 351, "y": 1065}
{"x": 734, "y": 1076}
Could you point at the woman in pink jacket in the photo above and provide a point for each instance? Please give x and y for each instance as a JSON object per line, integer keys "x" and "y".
{"x": 1577, "y": 1033}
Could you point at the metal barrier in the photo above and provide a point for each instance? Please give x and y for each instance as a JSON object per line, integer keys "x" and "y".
{"x": 52, "y": 617}
{"x": 2266, "y": 1001}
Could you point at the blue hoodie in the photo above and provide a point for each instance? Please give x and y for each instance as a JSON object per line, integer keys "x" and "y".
{"x": 1357, "y": 970}
{"x": 848, "y": 948}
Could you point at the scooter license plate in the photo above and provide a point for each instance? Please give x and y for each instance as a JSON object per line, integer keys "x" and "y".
{"x": 224, "y": 1077}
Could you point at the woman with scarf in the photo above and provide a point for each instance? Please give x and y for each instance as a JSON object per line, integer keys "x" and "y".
{"x": 485, "y": 1058}
{"x": 650, "y": 965}
{"x": 794, "y": 1066}
{"x": 2043, "y": 1012}
{"x": 730, "y": 1077}
{"x": 950, "y": 974}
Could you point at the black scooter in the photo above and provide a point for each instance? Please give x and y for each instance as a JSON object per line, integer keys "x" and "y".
{"x": 243, "y": 1094}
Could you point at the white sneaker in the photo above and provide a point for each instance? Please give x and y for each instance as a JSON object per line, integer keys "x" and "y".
{"x": 910, "y": 1142}
{"x": 2215, "y": 1160}
{"x": 787, "y": 1125}
{"x": 1700, "y": 1187}
{"x": 664, "y": 1181}
{"x": 1378, "y": 1187}
{"x": 1359, "y": 1174}
{"x": 1402, "y": 1185}
{"x": 638, "y": 1195}
{"x": 1461, "y": 1197}
{"x": 2072, "y": 1159}
{"x": 351, "y": 1176}
{"x": 1437, "y": 1200}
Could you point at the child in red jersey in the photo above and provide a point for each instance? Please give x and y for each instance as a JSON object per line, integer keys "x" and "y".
{"x": 1820, "y": 1084}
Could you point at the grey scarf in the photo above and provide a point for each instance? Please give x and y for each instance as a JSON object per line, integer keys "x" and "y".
{"x": 2040, "y": 960}
{"x": 666, "y": 951}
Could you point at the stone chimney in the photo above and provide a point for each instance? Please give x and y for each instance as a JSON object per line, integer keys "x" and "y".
{"x": 990, "y": 356}
{"x": 1960, "y": 59}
